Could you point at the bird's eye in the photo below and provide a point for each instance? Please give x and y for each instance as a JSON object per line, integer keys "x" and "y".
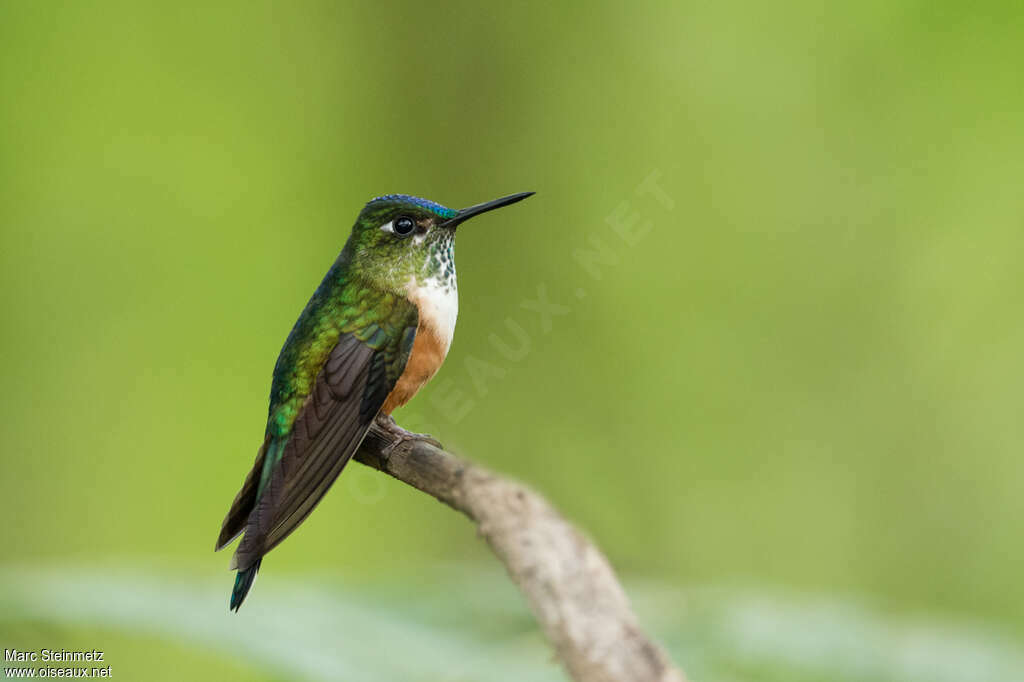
{"x": 404, "y": 226}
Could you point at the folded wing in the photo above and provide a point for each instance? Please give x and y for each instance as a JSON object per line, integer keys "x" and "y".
{"x": 292, "y": 474}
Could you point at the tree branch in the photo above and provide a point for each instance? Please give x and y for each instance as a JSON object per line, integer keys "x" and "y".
{"x": 567, "y": 581}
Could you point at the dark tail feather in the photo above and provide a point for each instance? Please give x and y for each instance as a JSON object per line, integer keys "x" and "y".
{"x": 243, "y": 581}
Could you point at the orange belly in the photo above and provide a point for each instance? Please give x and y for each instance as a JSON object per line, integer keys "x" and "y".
{"x": 428, "y": 352}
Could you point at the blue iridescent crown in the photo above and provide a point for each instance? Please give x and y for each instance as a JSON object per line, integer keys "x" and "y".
{"x": 431, "y": 206}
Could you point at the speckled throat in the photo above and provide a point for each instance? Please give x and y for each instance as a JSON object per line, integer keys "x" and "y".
{"x": 441, "y": 265}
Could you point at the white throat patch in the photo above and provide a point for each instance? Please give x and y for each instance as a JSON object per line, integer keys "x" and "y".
{"x": 438, "y": 304}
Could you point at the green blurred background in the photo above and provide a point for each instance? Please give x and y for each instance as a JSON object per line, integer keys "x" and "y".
{"x": 798, "y": 382}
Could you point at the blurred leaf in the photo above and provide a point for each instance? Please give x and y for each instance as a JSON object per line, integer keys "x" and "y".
{"x": 316, "y": 630}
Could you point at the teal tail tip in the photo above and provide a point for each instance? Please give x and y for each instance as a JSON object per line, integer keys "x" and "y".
{"x": 243, "y": 582}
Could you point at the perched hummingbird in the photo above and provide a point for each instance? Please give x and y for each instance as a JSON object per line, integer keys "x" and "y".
{"x": 374, "y": 332}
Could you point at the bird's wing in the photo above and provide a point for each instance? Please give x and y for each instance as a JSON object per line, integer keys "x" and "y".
{"x": 347, "y": 394}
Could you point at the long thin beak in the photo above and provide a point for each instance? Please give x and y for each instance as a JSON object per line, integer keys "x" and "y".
{"x": 467, "y": 213}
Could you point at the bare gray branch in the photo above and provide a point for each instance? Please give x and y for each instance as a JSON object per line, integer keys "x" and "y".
{"x": 569, "y": 584}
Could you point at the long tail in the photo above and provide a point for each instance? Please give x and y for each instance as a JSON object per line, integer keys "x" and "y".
{"x": 243, "y": 581}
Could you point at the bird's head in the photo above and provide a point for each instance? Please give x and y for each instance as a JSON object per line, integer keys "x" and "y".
{"x": 397, "y": 237}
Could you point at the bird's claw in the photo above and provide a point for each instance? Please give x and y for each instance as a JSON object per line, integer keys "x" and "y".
{"x": 400, "y": 435}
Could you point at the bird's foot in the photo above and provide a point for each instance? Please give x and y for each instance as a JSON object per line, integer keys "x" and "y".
{"x": 386, "y": 423}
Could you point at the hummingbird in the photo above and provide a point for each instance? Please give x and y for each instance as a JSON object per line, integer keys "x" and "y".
{"x": 372, "y": 335}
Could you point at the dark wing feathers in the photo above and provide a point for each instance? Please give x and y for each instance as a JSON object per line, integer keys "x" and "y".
{"x": 238, "y": 515}
{"x": 309, "y": 468}
{"x": 349, "y": 391}
{"x": 377, "y": 386}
